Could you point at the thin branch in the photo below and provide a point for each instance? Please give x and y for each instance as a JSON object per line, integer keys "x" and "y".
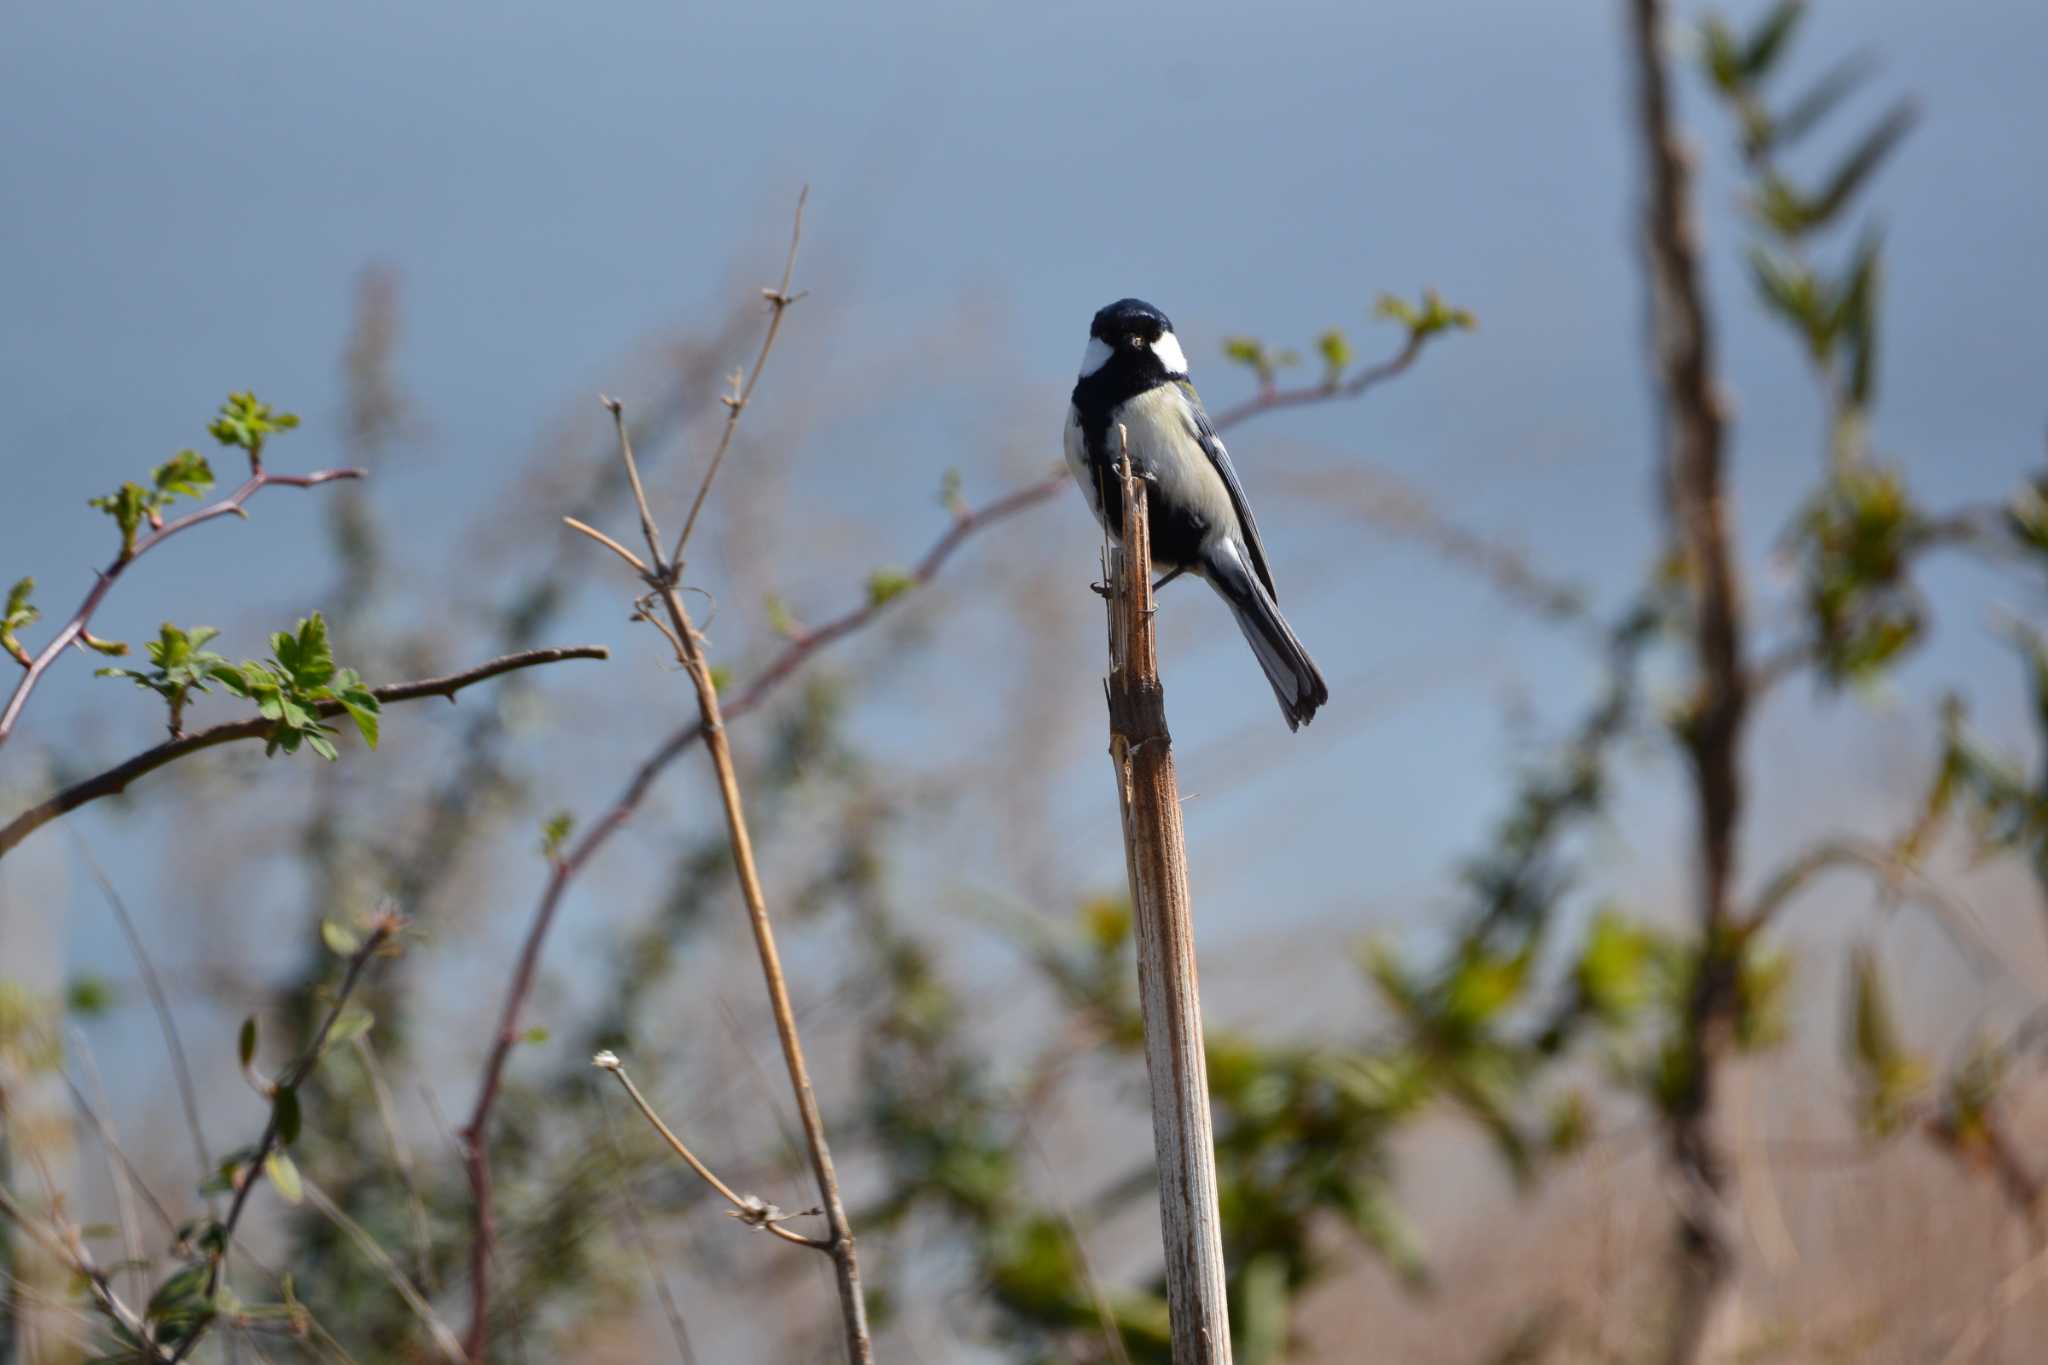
{"x": 1694, "y": 439}
{"x": 647, "y": 526}
{"x": 845, "y": 1258}
{"x": 601, "y": 538}
{"x": 386, "y": 926}
{"x": 636, "y": 1230}
{"x": 401, "y": 1157}
{"x": 116, "y": 779}
{"x": 779, "y": 300}
{"x": 74, "y": 629}
{"x": 443, "y": 1336}
{"x": 750, "y": 1209}
{"x": 1899, "y": 878}
{"x": 64, "y": 1243}
{"x": 181, "y": 1071}
{"x": 1267, "y": 400}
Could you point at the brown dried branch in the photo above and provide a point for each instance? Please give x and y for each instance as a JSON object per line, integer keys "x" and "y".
{"x": 749, "y": 1209}
{"x": 1694, "y": 440}
{"x": 1155, "y": 855}
{"x": 779, "y": 300}
{"x": 74, "y": 630}
{"x": 116, "y": 779}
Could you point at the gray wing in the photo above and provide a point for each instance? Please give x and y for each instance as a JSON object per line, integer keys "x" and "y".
{"x": 1212, "y": 446}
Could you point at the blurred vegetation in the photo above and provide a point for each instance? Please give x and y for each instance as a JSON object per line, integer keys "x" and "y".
{"x": 1543, "y": 1013}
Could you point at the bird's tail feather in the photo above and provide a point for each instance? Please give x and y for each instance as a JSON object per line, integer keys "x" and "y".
{"x": 1296, "y": 681}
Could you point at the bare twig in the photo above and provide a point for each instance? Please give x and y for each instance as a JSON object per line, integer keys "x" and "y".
{"x": 74, "y": 629}
{"x": 584, "y": 528}
{"x": 444, "y": 1337}
{"x": 749, "y": 1209}
{"x": 1900, "y": 880}
{"x": 1155, "y": 854}
{"x": 845, "y": 1258}
{"x": 181, "y": 1071}
{"x": 401, "y": 1157}
{"x": 1694, "y": 437}
{"x": 779, "y": 300}
{"x": 116, "y": 779}
{"x": 385, "y": 927}
{"x": 636, "y": 1230}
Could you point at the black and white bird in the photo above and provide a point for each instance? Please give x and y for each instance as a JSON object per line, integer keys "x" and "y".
{"x": 1135, "y": 377}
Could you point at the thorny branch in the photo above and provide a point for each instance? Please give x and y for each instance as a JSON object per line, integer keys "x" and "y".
{"x": 116, "y": 779}
{"x": 779, "y": 300}
{"x": 74, "y": 629}
{"x": 749, "y": 1209}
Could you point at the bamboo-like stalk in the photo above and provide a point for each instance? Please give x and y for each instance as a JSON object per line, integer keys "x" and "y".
{"x": 1155, "y": 854}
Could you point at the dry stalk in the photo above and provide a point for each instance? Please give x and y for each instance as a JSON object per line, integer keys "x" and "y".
{"x": 1155, "y": 854}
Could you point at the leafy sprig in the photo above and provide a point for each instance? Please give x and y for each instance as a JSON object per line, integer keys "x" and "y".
{"x": 182, "y": 665}
{"x": 290, "y": 688}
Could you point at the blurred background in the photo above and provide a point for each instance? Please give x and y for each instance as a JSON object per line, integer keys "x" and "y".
{"x": 1453, "y": 935}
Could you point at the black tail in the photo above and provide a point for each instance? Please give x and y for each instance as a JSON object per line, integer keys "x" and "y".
{"x": 1296, "y": 681}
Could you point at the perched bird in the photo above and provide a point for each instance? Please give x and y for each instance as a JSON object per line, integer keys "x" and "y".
{"x": 1134, "y": 376}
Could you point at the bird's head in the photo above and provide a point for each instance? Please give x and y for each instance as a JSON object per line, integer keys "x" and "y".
{"x": 1138, "y": 335}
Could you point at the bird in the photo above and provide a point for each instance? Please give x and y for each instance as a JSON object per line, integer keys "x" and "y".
{"x": 1134, "y": 387}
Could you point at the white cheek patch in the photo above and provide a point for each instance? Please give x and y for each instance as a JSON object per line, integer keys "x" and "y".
{"x": 1168, "y": 351}
{"x": 1095, "y": 357}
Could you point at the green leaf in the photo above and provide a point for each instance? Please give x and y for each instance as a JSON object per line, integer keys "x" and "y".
{"x": 113, "y": 649}
{"x": 555, "y": 832}
{"x": 1721, "y": 54}
{"x": 1335, "y": 349}
{"x": 245, "y": 1045}
{"x": 1856, "y": 316}
{"x": 19, "y": 615}
{"x": 307, "y": 659}
{"x": 1769, "y": 39}
{"x": 180, "y": 1301}
{"x": 351, "y": 1024}
{"x": 285, "y": 1109}
{"x": 185, "y": 475}
{"x": 1792, "y": 291}
{"x": 1863, "y": 161}
{"x": 535, "y": 1035}
{"x": 361, "y": 704}
{"x": 128, "y": 505}
{"x": 89, "y": 996}
{"x": 1891, "y": 1076}
{"x": 284, "y": 1177}
{"x": 246, "y": 423}
{"x": 340, "y": 941}
{"x": 886, "y": 585}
